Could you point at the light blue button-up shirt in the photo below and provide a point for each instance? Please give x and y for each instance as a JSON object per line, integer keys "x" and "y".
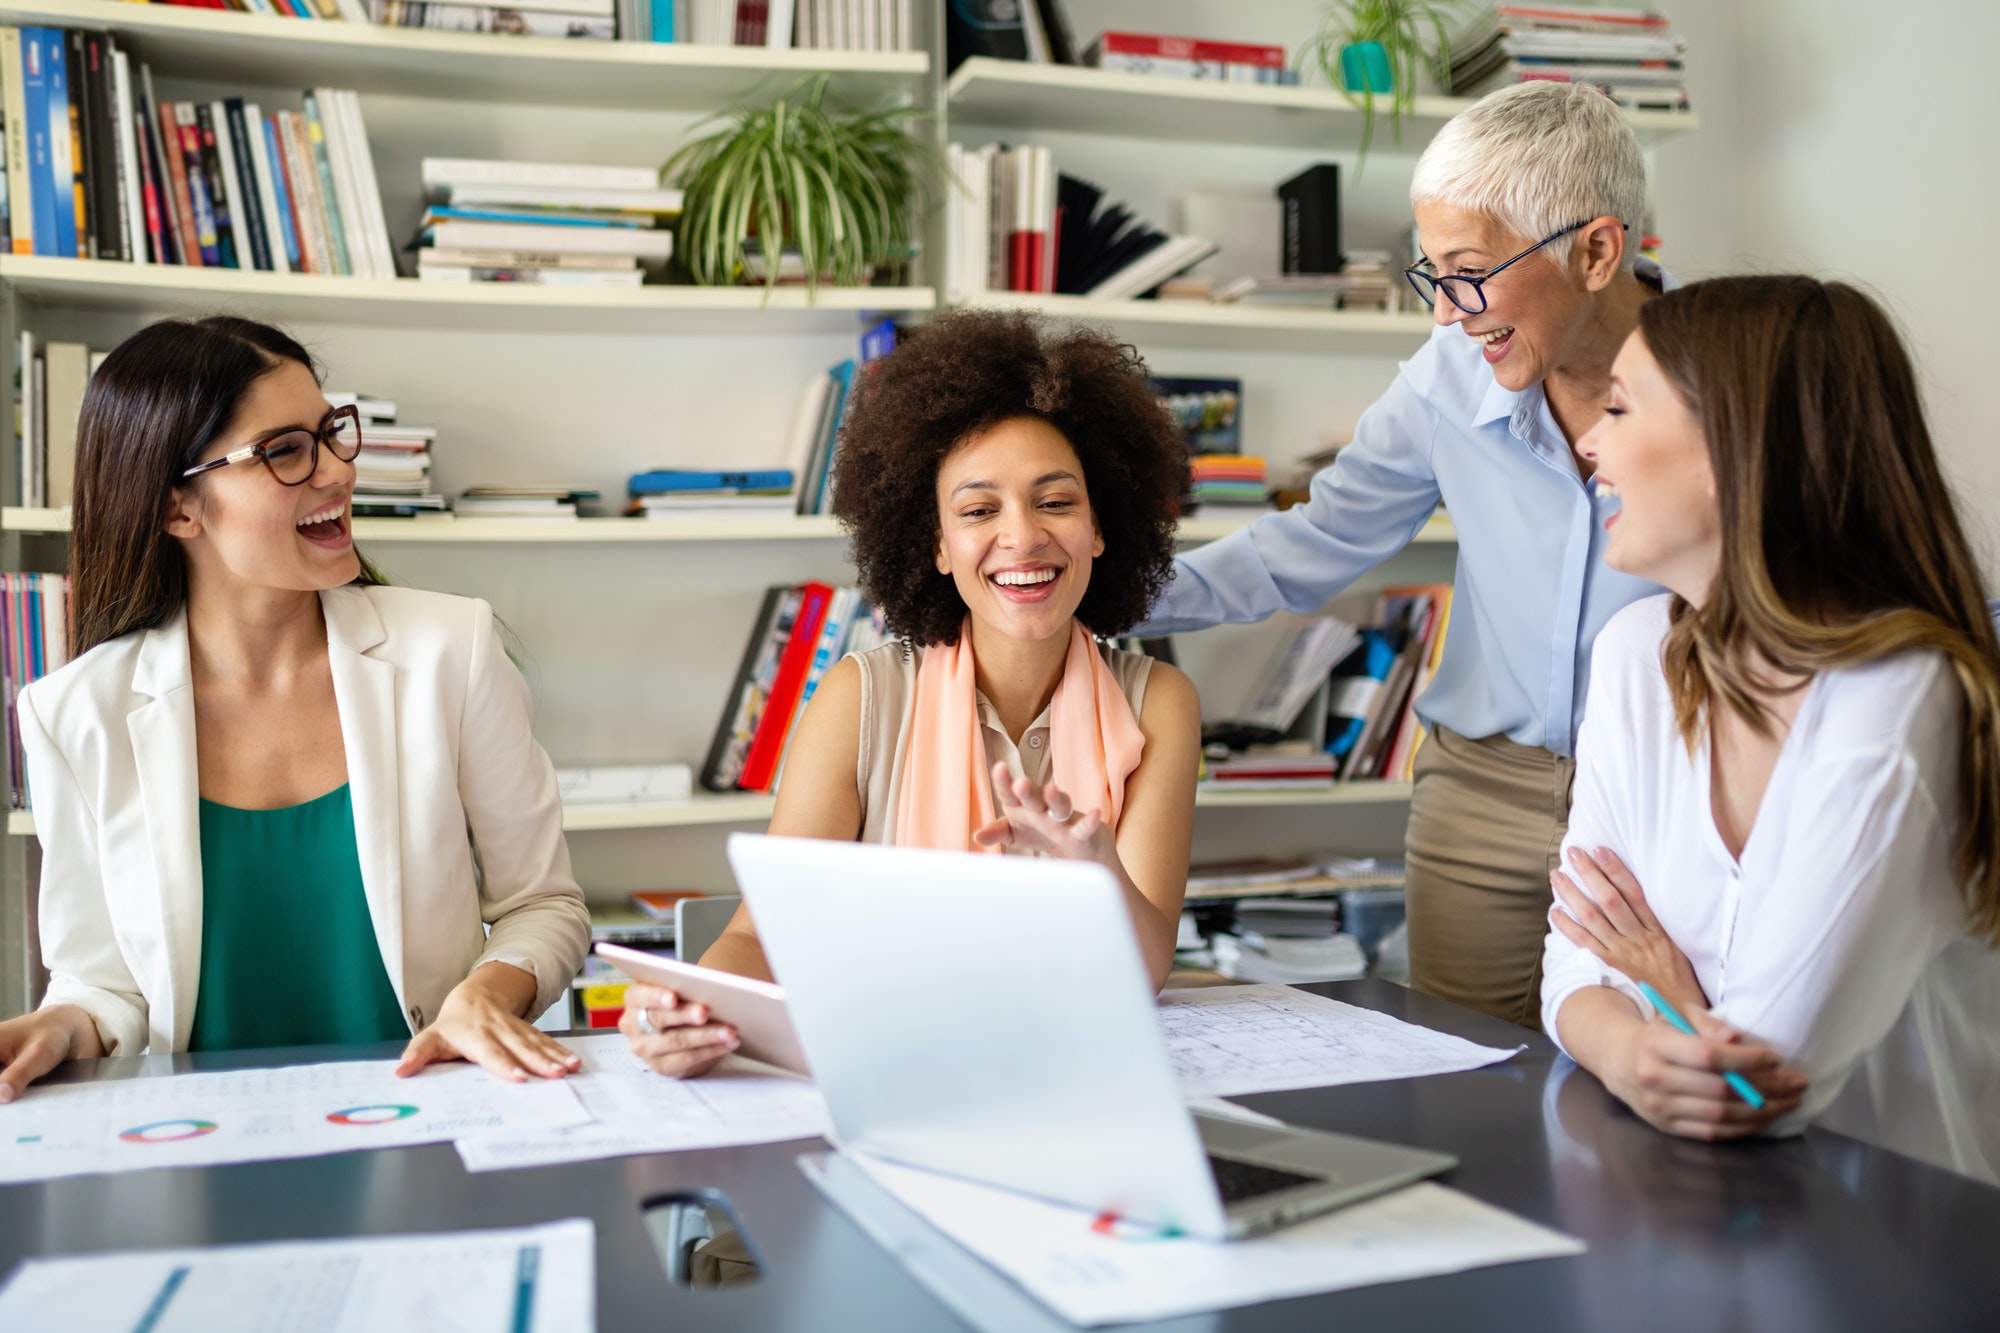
{"x": 1532, "y": 588}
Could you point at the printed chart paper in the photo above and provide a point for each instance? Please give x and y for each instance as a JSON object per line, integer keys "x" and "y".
{"x": 527, "y": 1280}
{"x": 245, "y": 1115}
{"x": 638, "y": 1111}
{"x": 1091, "y": 1278}
{"x": 1228, "y": 1041}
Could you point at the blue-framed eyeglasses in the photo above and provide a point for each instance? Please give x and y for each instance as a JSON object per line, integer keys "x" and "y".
{"x": 1469, "y": 294}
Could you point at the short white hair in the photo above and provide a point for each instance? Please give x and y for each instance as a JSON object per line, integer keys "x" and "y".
{"x": 1538, "y": 157}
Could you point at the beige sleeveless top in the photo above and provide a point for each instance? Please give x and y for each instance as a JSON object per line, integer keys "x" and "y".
{"x": 889, "y": 692}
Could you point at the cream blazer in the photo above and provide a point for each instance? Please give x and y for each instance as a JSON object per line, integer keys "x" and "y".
{"x": 456, "y": 815}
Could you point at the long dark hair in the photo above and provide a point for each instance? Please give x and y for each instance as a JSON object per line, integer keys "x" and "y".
{"x": 1841, "y": 543}
{"x": 151, "y": 409}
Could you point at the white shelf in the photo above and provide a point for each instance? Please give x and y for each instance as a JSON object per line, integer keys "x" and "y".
{"x": 1015, "y": 94}
{"x": 222, "y": 46}
{"x": 754, "y": 808}
{"x": 172, "y": 289}
{"x": 1230, "y": 325}
{"x": 587, "y": 531}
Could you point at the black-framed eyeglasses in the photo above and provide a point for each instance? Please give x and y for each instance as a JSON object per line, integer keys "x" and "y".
{"x": 292, "y": 455}
{"x": 1467, "y": 293}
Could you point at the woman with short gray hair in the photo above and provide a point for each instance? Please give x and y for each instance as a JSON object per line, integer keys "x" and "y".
{"x": 1528, "y": 207}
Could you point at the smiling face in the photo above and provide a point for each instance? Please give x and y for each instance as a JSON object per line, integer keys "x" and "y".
{"x": 1536, "y": 312}
{"x": 1016, "y": 532}
{"x": 1651, "y": 453}
{"x": 239, "y": 523}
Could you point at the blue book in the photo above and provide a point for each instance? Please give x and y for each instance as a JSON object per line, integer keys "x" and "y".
{"x": 450, "y": 212}
{"x": 663, "y": 20}
{"x": 62, "y": 163}
{"x": 843, "y": 384}
{"x": 662, "y": 481}
{"x": 276, "y": 152}
{"x": 41, "y": 178}
{"x": 878, "y": 340}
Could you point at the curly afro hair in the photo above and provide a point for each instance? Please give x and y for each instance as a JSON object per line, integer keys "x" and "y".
{"x": 956, "y": 377}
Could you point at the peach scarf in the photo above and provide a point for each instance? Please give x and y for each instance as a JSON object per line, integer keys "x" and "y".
{"x": 947, "y": 793}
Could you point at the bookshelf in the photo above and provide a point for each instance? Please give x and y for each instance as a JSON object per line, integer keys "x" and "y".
{"x": 1012, "y": 94}
{"x": 710, "y": 808}
{"x": 170, "y": 289}
{"x": 225, "y": 46}
{"x": 1231, "y": 326}
{"x": 776, "y": 527}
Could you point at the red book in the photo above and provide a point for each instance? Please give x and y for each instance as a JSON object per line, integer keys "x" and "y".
{"x": 176, "y": 185}
{"x": 760, "y": 766}
{"x": 149, "y": 195}
{"x": 1190, "y": 48}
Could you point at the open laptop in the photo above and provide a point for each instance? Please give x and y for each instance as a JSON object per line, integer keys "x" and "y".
{"x": 990, "y": 1017}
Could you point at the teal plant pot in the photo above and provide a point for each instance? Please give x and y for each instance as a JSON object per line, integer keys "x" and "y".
{"x": 1364, "y": 68}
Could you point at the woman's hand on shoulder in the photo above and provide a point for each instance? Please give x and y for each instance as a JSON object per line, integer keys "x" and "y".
{"x": 34, "y": 1044}
{"x": 481, "y": 1021}
{"x": 670, "y": 1037}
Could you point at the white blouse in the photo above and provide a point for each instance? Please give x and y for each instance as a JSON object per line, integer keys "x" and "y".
{"x": 1840, "y": 936}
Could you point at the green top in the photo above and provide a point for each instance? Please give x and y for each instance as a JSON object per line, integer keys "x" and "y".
{"x": 288, "y": 953}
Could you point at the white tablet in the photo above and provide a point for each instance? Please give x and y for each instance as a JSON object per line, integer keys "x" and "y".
{"x": 756, "y": 1009}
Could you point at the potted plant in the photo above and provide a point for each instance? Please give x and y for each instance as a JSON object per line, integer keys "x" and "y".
{"x": 800, "y": 185}
{"x": 1366, "y": 47}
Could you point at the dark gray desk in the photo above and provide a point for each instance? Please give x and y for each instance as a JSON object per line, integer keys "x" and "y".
{"x": 1815, "y": 1234}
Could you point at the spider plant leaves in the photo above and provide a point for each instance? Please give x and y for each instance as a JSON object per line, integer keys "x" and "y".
{"x": 841, "y": 188}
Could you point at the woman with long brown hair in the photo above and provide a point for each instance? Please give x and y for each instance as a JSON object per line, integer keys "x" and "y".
{"x": 277, "y": 801}
{"x": 1787, "y": 816}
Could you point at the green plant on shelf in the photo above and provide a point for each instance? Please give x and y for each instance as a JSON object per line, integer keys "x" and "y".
{"x": 1370, "y": 47}
{"x": 801, "y": 189}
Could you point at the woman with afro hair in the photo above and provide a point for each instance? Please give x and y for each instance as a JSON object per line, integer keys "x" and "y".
{"x": 1011, "y": 495}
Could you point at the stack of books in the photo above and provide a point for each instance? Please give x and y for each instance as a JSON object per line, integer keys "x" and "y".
{"x": 676, "y": 492}
{"x": 34, "y": 640}
{"x": 1230, "y": 480}
{"x": 209, "y": 184}
{"x": 523, "y": 501}
{"x": 801, "y": 632}
{"x": 1632, "y": 55}
{"x": 350, "y": 10}
{"x": 1017, "y": 225}
{"x": 1189, "y": 58}
{"x": 50, "y": 388}
{"x": 590, "y": 19}
{"x": 1285, "y": 766}
{"x": 549, "y": 223}
{"x": 1363, "y": 283}
{"x": 392, "y": 473}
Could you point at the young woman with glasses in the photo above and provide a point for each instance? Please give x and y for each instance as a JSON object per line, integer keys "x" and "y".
{"x": 1526, "y": 206}
{"x": 279, "y": 803}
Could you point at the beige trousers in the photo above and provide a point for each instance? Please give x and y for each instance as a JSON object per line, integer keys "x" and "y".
{"x": 1486, "y": 828}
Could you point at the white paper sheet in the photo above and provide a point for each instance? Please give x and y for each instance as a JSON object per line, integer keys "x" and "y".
{"x": 1227, "y": 1041}
{"x": 539, "y": 1279}
{"x": 243, "y": 1115}
{"x": 1102, "y": 1279}
{"x": 638, "y": 1111}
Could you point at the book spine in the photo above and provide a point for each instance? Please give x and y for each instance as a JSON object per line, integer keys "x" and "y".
{"x": 123, "y": 181}
{"x": 215, "y": 180}
{"x": 256, "y": 131}
{"x": 274, "y": 153}
{"x": 20, "y": 198}
{"x": 86, "y": 94}
{"x": 155, "y": 123}
{"x": 309, "y": 209}
{"x": 234, "y": 132}
{"x": 41, "y": 169}
{"x": 719, "y": 770}
{"x": 1187, "y": 48}
{"x": 62, "y": 143}
{"x": 375, "y": 222}
{"x": 760, "y": 767}
{"x": 201, "y": 208}
{"x": 329, "y": 196}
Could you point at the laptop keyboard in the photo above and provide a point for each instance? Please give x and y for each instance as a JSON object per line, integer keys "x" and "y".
{"x": 1243, "y": 1180}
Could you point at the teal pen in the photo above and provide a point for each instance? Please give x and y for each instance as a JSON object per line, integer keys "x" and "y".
{"x": 1731, "y": 1077}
